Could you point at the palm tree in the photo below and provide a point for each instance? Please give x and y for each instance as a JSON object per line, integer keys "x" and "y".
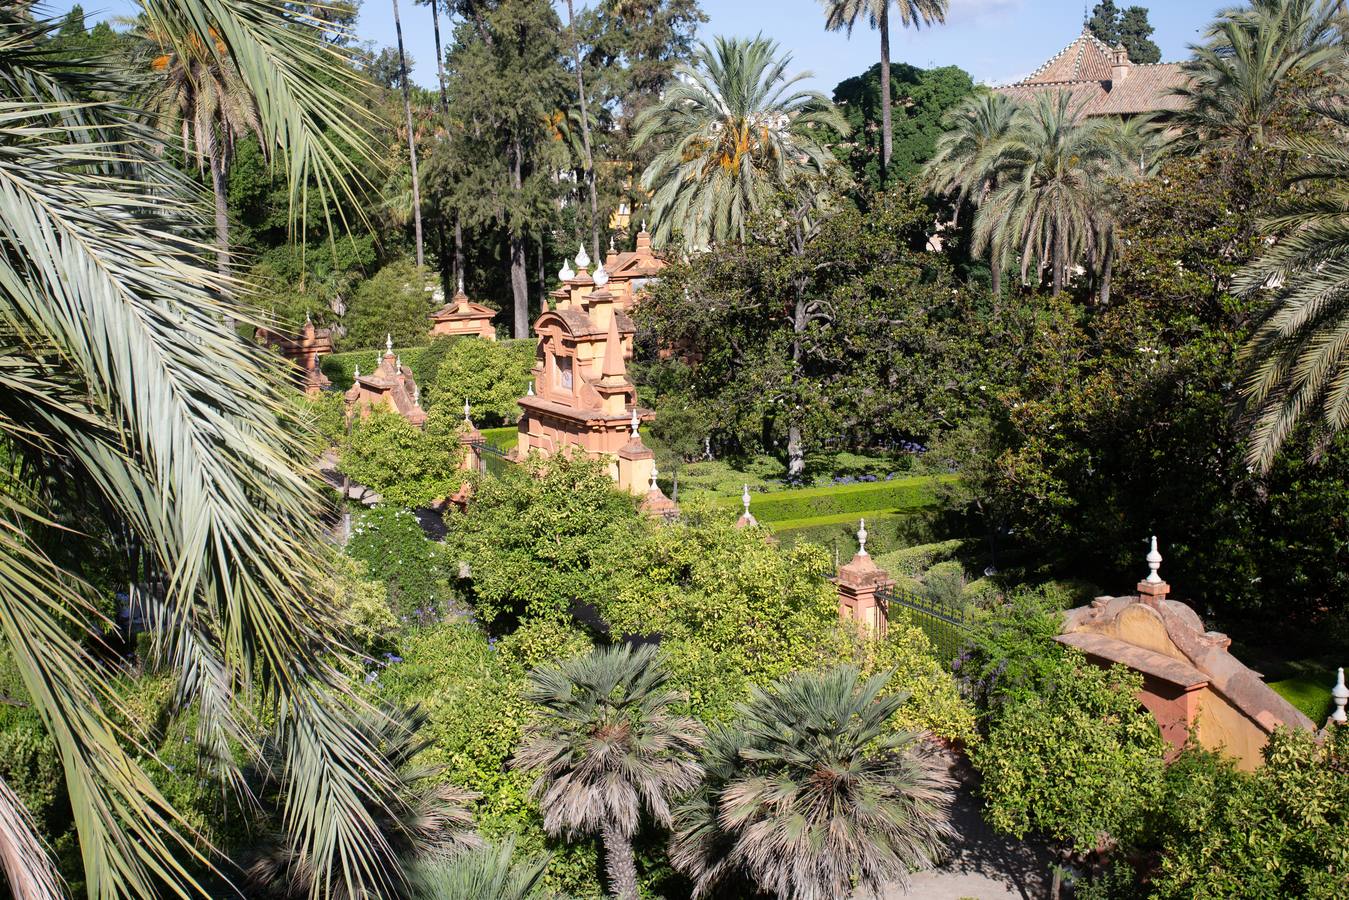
{"x": 1295, "y": 361}
{"x": 810, "y": 794}
{"x": 1051, "y": 206}
{"x": 843, "y": 14}
{"x": 412, "y": 135}
{"x": 967, "y": 161}
{"x": 423, "y": 818}
{"x": 127, "y": 410}
{"x": 199, "y": 93}
{"x": 606, "y": 746}
{"x": 1138, "y": 146}
{"x": 735, "y": 133}
{"x": 1260, "y": 67}
{"x": 490, "y": 873}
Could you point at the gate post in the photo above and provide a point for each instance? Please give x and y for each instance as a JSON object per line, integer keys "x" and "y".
{"x": 859, "y": 582}
{"x": 472, "y": 440}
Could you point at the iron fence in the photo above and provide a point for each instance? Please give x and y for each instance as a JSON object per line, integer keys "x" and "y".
{"x": 945, "y": 623}
{"x": 491, "y": 460}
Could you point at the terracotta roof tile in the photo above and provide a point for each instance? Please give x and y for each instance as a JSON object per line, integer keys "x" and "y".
{"x": 1085, "y": 59}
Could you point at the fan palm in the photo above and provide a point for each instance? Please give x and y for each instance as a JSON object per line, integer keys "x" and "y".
{"x": 116, "y": 377}
{"x": 1051, "y": 205}
{"x": 967, "y": 161}
{"x": 605, "y": 746}
{"x": 736, "y": 133}
{"x": 198, "y": 92}
{"x": 423, "y": 819}
{"x": 844, "y": 14}
{"x": 1296, "y": 362}
{"x": 1260, "y": 67}
{"x": 490, "y": 873}
{"x": 810, "y": 794}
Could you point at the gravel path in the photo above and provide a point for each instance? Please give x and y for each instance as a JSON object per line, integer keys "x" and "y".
{"x": 983, "y": 865}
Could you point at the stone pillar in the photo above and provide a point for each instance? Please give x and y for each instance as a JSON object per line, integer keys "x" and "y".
{"x": 635, "y": 465}
{"x": 858, "y": 583}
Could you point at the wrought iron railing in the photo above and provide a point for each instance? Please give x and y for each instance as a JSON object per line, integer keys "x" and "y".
{"x": 491, "y": 460}
{"x": 945, "y": 623}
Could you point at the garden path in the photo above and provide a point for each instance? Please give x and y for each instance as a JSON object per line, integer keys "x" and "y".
{"x": 983, "y": 865}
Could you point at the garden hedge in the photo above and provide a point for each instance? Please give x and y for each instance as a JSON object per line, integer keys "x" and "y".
{"x": 838, "y": 534}
{"x": 792, "y": 508}
{"x": 423, "y": 360}
{"x": 504, "y": 438}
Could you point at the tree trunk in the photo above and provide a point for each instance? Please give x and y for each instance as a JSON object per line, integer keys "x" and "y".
{"x": 887, "y": 138}
{"x": 440, "y": 60}
{"x": 519, "y": 276}
{"x": 1060, "y": 263}
{"x": 796, "y": 455}
{"x": 458, "y": 249}
{"x": 585, "y": 138}
{"x": 1107, "y": 269}
{"x": 619, "y": 864}
{"x": 220, "y": 188}
{"x": 412, "y": 140}
{"x": 995, "y": 264}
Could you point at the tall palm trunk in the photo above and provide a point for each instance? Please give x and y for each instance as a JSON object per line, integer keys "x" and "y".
{"x": 220, "y": 189}
{"x": 619, "y": 864}
{"x": 585, "y": 137}
{"x": 412, "y": 138}
{"x": 995, "y": 264}
{"x": 887, "y": 138}
{"x": 1107, "y": 269}
{"x": 1060, "y": 263}
{"x": 519, "y": 277}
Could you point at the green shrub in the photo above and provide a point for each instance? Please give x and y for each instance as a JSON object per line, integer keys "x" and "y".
{"x": 396, "y": 551}
{"x": 341, "y": 367}
{"x": 934, "y": 703}
{"x": 838, "y": 534}
{"x": 364, "y": 606}
{"x": 1079, "y": 761}
{"x": 1275, "y": 832}
{"x": 406, "y": 465}
{"x": 914, "y": 492}
{"x": 504, "y": 439}
{"x": 917, "y": 560}
{"x": 392, "y": 301}
{"x": 474, "y": 698}
{"x": 491, "y": 375}
{"x": 538, "y": 642}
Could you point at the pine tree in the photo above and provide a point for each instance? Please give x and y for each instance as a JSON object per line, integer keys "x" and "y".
{"x": 506, "y": 83}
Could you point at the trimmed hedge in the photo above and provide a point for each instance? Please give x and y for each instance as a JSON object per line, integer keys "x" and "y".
{"x": 1311, "y": 696}
{"x": 504, "y": 438}
{"x": 838, "y": 534}
{"x": 793, "y": 508}
{"x": 424, "y": 361}
{"x": 341, "y": 367}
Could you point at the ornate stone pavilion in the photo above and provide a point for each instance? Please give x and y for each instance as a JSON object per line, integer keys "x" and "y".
{"x": 462, "y": 316}
{"x": 631, "y": 271}
{"x": 304, "y": 350}
{"x": 1190, "y": 680}
{"x": 390, "y": 385}
{"x": 1103, "y": 80}
{"x": 581, "y": 396}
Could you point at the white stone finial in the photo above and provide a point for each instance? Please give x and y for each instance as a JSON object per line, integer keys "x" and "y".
{"x": 1340, "y": 695}
{"x": 461, "y": 282}
{"x": 357, "y": 377}
{"x": 565, "y": 273}
{"x": 1154, "y": 563}
{"x": 644, "y": 224}
{"x": 861, "y": 537}
{"x": 416, "y": 395}
{"x": 636, "y": 422}
{"x": 399, "y": 361}
{"x": 582, "y": 258}
{"x": 744, "y": 498}
{"x": 388, "y": 342}
{"x": 601, "y": 276}
{"x": 307, "y": 320}
{"x": 529, "y": 391}
{"x": 612, "y": 248}
{"x": 653, "y": 478}
{"x": 467, "y": 408}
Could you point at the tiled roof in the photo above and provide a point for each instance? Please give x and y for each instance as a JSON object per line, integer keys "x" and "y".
{"x": 1085, "y": 59}
{"x": 1083, "y": 68}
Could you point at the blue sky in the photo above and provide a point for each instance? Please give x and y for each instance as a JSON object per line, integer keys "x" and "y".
{"x": 994, "y": 40}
